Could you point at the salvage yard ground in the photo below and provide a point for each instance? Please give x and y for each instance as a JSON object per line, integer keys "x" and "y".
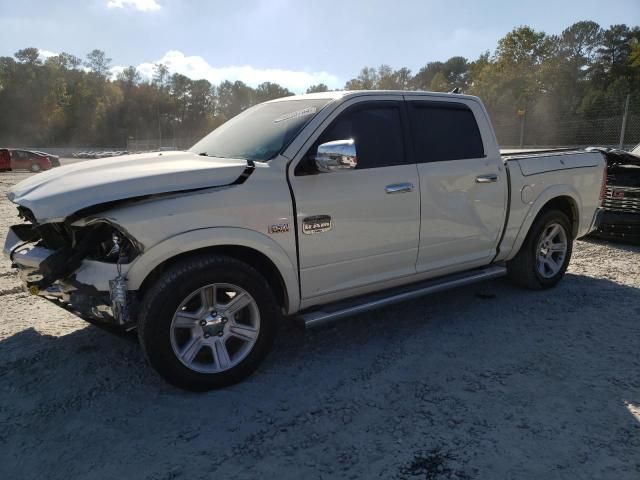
{"x": 487, "y": 381}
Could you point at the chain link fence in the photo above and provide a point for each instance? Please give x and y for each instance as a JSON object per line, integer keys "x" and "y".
{"x": 601, "y": 122}
{"x": 148, "y": 144}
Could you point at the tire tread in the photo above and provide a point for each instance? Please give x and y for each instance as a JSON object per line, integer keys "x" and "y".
{"x": 521, "y": 270}
{"x": 146, "y": 324}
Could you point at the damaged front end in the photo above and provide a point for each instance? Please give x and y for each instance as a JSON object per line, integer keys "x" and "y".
{"x": 620, "y": 219}
{"x": 72, "y": 252}
{"x": 79, "y": 266}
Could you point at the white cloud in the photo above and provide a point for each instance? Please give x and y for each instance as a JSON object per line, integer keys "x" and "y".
{"x": 141, "y": 5}
{"x": 196, "y": 67}
{"x": 44, "y": 54}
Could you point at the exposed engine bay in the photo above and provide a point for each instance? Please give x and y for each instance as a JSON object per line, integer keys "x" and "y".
{"x": 58, "y": 251}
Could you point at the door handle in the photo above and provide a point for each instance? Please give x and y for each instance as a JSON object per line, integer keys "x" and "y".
{"x": 491, "y": 178}
{"x": 399, "y": 188}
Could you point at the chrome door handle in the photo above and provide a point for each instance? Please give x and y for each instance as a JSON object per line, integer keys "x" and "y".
{"x": 399, "y": 188}
{"x": 491, "y": 178}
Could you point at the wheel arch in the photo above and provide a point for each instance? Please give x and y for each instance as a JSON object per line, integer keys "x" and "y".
{"x": 253, "y": 248}
{"x": 555, "y": 198}
{"x": 566, "y": 205}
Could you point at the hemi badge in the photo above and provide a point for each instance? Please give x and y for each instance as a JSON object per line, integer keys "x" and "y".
{"x": 317, "y": 224}
{"x": 279, "y": 228}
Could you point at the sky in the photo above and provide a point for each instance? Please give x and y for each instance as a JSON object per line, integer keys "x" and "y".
{"x": 295, "y": 43}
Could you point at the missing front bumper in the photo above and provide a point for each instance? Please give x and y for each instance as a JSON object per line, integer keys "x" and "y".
{"x": 94, "y": 291}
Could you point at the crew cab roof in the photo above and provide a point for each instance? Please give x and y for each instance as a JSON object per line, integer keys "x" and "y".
{"x": 335, "y": 95}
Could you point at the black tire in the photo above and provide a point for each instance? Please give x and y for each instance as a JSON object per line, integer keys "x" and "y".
{"x": 163, "y": 299}
{"x": 522, "y": 269}
{"x": 35, "y": 168}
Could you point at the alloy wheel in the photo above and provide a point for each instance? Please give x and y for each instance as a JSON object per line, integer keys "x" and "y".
{"x": 215, "y": 328}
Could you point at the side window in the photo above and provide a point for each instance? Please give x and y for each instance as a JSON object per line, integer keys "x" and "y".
{"x": 376, "y": 130}
{"x": 444, "y": 131}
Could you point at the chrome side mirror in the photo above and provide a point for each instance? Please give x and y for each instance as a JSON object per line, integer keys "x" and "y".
{"x": 337, "y": 155}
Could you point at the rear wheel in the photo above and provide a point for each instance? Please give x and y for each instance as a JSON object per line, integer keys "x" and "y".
{"x": 208, "y": 322}
{"x": 544, "y": 256}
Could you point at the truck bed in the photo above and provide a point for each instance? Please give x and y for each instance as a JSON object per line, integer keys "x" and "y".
{"x": 521, "y": 151}
{"x": 541, "y": 161}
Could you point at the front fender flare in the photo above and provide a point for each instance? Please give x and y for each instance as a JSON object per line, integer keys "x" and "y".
{"x": 217, "y": 236}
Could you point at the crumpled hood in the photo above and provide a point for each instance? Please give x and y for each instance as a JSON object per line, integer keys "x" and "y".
{"x": 61, "y": 191}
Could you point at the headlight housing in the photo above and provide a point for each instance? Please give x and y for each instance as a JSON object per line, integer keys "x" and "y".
{"x": 105, "y": 242}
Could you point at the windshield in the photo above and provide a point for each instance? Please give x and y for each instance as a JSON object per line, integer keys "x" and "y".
{"x": 261, "y": 132}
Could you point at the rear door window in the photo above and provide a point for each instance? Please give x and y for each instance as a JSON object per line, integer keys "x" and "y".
{"x": 443, "y": 131}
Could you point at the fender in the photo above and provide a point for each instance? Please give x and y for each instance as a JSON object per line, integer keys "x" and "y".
{"x": 537, "y": 205}
{"x": 217, "y": 236}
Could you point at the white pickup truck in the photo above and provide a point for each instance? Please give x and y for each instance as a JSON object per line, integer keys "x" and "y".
{"x": 319, "y": 206}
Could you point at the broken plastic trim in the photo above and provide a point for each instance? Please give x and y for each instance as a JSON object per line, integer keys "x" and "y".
{"x": 66, "y": 260}
{"x": 95, "y": 241}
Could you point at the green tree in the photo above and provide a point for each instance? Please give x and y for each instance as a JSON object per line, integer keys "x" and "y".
{"x": 422, "y": 80}
{"x": 566, "y": 83}
{"x": 580, "y": 41}
{"x": 439, "y": 83}
{"x": 30, "y": 56}
{"x": 65, "y": 60}
{"x": 130, "y": 76}
{"x": 160, "y": 75}
{"x": 270, "y": 91}
{"x": 98, "y": 62}
{"x": 233, "y": 98}
{"x": 366, "y": 80}
{"x": 320, "y": 87}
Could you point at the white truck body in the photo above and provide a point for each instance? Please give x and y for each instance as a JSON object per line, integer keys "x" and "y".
{"x": 399, "y": 223}
{"x": 448, "y": 223}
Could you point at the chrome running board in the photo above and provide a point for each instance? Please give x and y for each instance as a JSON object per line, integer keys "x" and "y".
{"x": 346, "y": 308}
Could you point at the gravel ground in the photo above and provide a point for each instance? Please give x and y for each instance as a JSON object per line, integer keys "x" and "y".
{"x": 486, "y": 382}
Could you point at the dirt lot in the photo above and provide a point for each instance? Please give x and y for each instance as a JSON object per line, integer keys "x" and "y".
{"x": 486, "y": 382}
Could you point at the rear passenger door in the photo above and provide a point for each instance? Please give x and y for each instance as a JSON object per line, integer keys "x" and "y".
{"x": 463, "y": 184}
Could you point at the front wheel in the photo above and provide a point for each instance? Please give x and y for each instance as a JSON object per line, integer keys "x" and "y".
{"x": 544, "y": 256}
{"x": 208, "y": 322}
{"x": 35, "y": 168}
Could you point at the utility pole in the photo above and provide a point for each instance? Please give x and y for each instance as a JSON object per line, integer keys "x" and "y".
{"x": 159, "y": 128}
{"x": 522, "y": 114}
{"x": 624, "y": 121}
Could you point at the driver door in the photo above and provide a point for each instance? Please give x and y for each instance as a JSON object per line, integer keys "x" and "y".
{"x": 358, "y": 228}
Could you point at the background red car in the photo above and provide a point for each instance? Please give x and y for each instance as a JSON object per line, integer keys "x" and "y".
{"x": 5, "y": 160}
{"x": 28, "y": 160}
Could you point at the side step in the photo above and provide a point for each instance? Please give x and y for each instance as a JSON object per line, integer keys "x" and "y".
{"x": 346, "y": 308}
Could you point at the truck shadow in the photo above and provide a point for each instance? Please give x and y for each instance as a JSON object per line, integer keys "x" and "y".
{"x": 490, "y": 367}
